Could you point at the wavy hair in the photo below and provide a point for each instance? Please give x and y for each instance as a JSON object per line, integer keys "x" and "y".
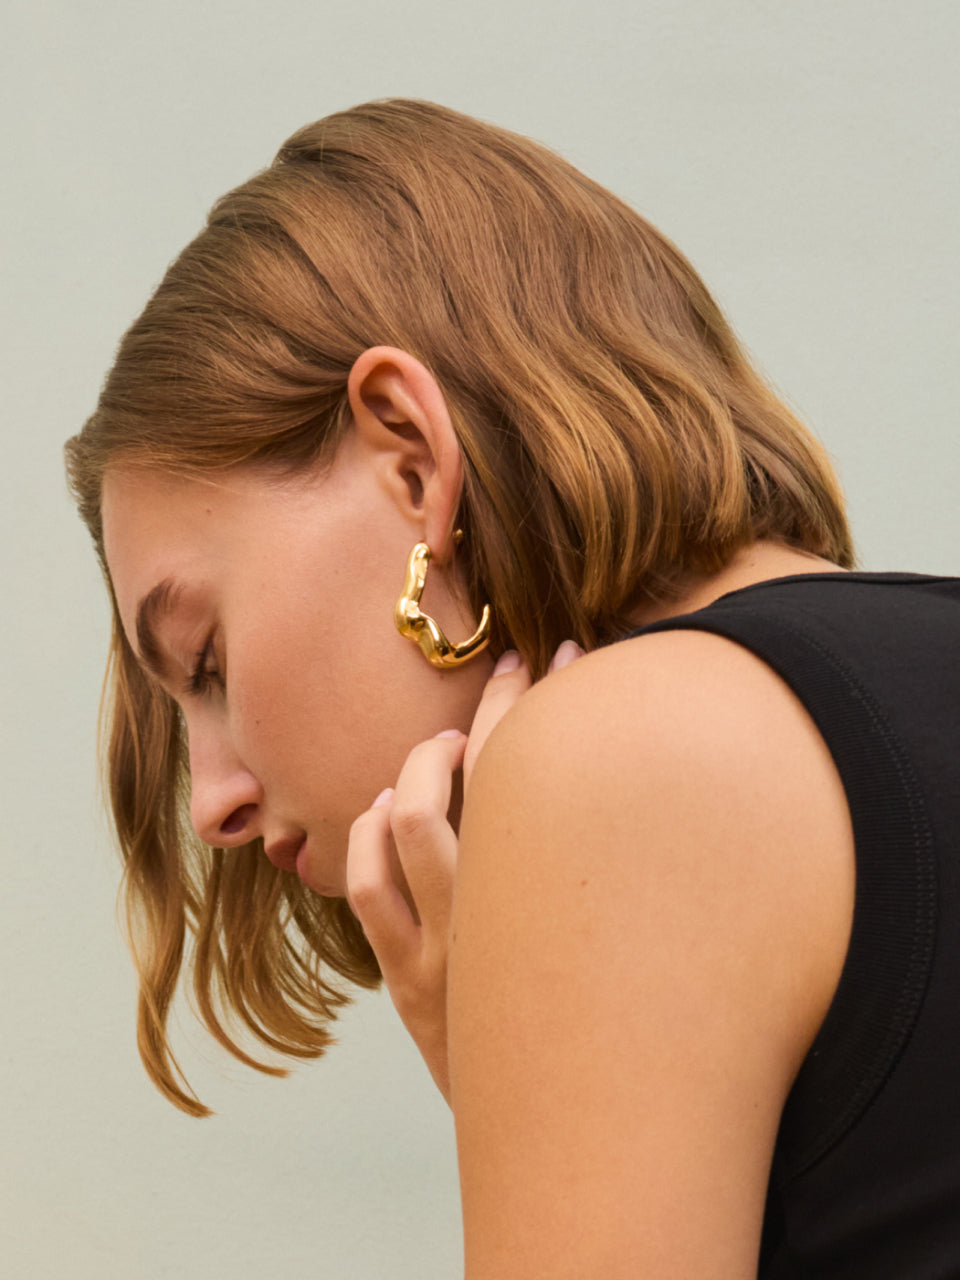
{"x": 615, "y": 438}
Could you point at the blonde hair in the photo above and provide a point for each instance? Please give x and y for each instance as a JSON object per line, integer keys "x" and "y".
{"x": 615, "y": 438}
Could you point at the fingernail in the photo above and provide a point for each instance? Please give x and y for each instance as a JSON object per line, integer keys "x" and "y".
{"x": 449, "y": 733}
{"x": 567, "y": 653}
{"x": 509, "y": 661}
{"x": 385, "y": 796}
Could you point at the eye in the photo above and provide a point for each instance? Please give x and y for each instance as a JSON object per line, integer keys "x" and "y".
{"x": 205, "y": 672}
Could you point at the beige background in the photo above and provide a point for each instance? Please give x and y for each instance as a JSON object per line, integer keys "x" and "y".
{"x": 804, "y": 155}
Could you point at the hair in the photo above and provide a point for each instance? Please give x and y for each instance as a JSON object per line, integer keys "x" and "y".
{"x": 615, "y": 438}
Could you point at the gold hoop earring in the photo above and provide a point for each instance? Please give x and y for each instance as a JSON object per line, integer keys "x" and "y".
{"x": 418, "y": 626}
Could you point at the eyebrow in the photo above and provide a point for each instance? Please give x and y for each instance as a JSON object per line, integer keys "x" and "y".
{"x": 155, "y": 605}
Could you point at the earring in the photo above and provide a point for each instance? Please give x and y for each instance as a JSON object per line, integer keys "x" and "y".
{"x": 419, "y": 626}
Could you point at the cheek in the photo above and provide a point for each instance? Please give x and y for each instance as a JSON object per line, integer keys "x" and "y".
{"x": 308, "y": 721}
{"x": 328, "y": 700}
{"x": 276, "y": 706}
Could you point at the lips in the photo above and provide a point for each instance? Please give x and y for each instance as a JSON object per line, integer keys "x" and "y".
{"x": 283, "y": 853}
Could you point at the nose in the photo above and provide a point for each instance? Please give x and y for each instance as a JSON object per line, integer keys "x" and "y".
{"x": 225, "y": 797}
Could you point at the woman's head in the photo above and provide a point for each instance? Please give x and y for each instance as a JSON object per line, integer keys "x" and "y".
{"x": 262, "y": 604}
{"x": 602, "y": 434}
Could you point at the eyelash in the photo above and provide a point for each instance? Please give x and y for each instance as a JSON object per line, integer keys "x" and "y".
{"x": 201, "y": 679}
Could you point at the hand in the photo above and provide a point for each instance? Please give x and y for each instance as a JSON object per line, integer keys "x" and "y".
{"x": 401, "y": 861}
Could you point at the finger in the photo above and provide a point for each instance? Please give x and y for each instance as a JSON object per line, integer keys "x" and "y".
{"x": 504, "y": 689}
{"x": 509, "y": 682}
{"x": 568, "y": 652}
{"x": 426, "y": 844}
{"x": 374, "y": 896}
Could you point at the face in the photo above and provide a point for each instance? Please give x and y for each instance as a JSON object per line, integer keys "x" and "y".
{"x": 301, "y": 700}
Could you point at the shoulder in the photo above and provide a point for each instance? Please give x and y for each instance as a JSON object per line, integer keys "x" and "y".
{"x": 669, "y": 748}
{"x": 689, "y": 717}
{"x": 652, "y": 908}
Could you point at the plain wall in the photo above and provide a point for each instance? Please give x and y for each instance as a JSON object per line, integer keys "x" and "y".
{"x": 803, "y": 155}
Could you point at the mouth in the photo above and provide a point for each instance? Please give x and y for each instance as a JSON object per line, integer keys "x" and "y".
{"x": 291, "y": 855}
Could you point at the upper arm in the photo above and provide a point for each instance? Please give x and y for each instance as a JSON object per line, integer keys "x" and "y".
{"x": 641, "y": 954}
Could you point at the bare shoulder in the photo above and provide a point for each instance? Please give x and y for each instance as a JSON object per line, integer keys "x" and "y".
{"x": 685, "y": 743}
{"x": 652, "y": 909}
{"x": 693, "y": 684}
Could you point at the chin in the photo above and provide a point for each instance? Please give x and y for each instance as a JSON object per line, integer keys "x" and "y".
{"x": 314, "y": 870}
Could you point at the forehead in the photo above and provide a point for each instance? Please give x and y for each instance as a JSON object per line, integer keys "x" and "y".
{"x": 141, "y": 506}
{"x": 158, "y": 525}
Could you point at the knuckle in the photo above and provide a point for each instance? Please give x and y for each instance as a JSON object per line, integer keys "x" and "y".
{"x": 363, "y": 892}
{"x": 369, "y": 818}
{"x": 357, "y": 824}
{"x": 411, "y": 821}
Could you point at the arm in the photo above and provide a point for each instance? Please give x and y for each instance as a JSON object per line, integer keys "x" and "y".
{"x": 652, "y": 903}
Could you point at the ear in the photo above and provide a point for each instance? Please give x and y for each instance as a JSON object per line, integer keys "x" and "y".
{"x": 403, "y": 425}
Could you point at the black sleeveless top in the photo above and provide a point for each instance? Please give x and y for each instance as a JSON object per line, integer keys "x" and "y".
{"x": 865, "y": 1180}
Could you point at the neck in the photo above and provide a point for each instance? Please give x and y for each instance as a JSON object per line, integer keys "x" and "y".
{"x": 759, "y": 562}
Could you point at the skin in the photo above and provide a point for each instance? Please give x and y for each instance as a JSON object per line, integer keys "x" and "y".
{"x": 653, "y": 903}
{"x": 703, "y": 817}
{"x": 296, "y": 583}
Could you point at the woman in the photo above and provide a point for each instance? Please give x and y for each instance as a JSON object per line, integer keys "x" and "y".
{"x": 421, "y": 395}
